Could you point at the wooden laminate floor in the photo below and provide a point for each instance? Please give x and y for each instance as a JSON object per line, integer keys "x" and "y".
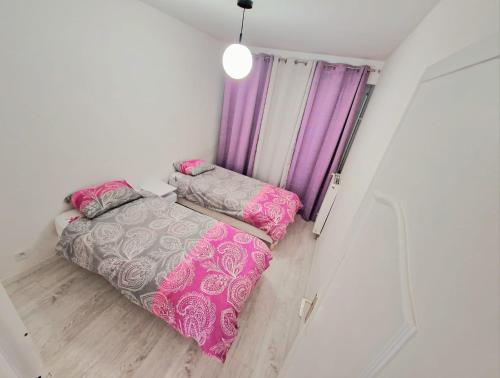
{"x": 85, "y": 328}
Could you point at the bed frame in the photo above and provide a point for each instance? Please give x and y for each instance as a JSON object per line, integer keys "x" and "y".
{"x": 248, "y": 228}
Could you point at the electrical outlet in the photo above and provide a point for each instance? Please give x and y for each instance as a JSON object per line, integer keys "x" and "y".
{"x": 23, "y": 255}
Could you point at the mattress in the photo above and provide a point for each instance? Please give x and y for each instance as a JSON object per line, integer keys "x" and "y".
{"x": 63, "y": 219}
{"x": 188, "y": 269}
{"x": 262, "y": 205}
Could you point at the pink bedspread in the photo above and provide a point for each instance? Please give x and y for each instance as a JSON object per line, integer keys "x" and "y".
{"x": 202, "y": 297}
{"x": 272, "y": 210}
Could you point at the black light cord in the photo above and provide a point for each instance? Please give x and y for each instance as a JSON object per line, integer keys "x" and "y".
{"x": 242, "y": 21}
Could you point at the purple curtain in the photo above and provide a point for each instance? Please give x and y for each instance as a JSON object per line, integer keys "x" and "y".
{"x": 242, "y": 116}
{"x": 332, "y": 105}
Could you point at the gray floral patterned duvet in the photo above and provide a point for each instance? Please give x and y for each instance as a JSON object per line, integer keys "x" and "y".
{"x": 262, "y": 205}
{"x": 184, "y": 267}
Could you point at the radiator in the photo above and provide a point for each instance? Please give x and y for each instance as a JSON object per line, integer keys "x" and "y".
{"x": 327, "y": 204}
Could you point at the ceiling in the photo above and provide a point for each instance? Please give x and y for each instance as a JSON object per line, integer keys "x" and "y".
{"x": 353, "y": 28}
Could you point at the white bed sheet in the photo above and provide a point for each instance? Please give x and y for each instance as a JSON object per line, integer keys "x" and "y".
{"x": 62, "y": 220}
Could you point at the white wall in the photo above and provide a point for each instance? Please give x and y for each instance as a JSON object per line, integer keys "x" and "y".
{"x": 449, "y": 27}
{"x": 90, "y": 91}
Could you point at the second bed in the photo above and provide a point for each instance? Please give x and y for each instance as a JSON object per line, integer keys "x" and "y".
{"x": 220, "y": 191}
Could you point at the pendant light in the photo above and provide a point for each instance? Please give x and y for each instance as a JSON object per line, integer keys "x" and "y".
{"x": 237, "y": 58}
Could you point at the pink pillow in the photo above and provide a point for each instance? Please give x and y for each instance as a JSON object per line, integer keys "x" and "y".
{"x": 96, "y": 200}
{"x": 193, "y": 167}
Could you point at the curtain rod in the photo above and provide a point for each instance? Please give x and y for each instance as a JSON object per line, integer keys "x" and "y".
{"x": 353, "y": 67}
{"x": 295, "y": 61}
{"x": 305, "y": 62}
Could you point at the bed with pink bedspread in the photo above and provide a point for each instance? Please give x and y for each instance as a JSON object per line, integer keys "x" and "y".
{"x": 190, "y": 270}
{"x": 262, "y": 205}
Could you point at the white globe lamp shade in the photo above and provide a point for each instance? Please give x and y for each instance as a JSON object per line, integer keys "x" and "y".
{"x": 237, "y": 61}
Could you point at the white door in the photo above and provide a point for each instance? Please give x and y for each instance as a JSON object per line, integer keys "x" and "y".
{"x": 417, "y": 294}
{"x": 19, "y": 358}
